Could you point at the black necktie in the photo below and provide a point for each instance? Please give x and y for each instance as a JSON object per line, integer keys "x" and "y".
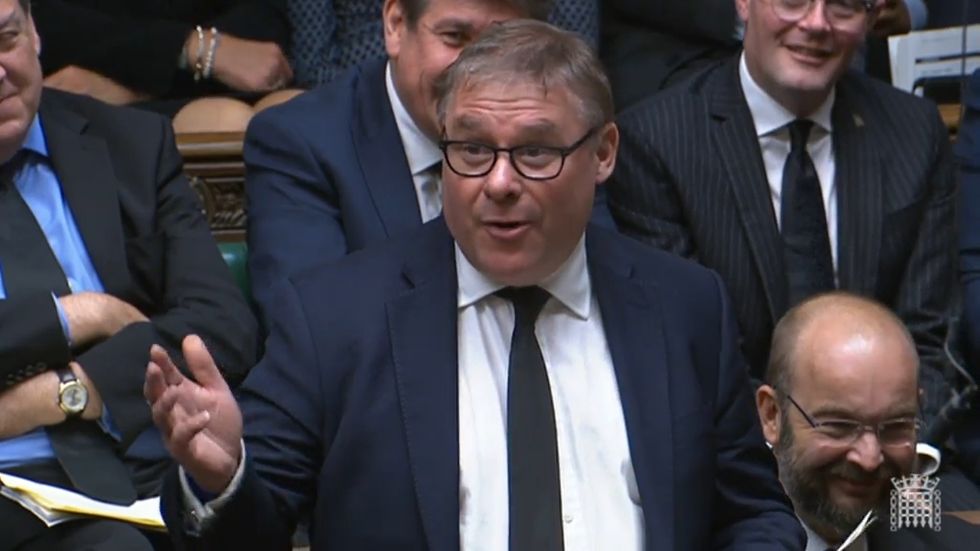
{"x": 532, "y": 446}
{"x": 29, "y": 266}
{"x": 806, "y": 245}
{"x": 26, "y": 260}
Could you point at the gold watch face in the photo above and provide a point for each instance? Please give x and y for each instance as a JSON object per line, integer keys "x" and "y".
{"x": 73, "y": 398}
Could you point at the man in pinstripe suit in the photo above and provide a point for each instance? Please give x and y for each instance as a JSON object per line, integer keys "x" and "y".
{"x": 703, "y": 172}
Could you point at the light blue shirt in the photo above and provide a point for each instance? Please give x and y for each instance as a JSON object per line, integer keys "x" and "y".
{"x": 41, "y": 190}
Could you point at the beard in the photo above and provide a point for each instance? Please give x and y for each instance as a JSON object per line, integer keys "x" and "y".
{"x": 809, "y": 488}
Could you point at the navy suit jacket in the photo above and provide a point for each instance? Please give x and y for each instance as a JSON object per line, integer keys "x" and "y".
{"x": 326, "y": 175}
{"x": 353, "y": 411}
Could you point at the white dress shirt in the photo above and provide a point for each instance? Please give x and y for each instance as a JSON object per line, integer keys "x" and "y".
{"x": 599, "y": 498}
{"x": 771, "y": 120}
{"x": 421, "y": 153}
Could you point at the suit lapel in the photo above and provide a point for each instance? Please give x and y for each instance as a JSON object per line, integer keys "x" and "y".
{"x": 381, "y": 153}
{"x": 736, "y": 144}
{"x": 89, "y": 184}
{"x": 634, "y": 331}
{"x": 858, "y": 177}
{"x": 422, "y": 326}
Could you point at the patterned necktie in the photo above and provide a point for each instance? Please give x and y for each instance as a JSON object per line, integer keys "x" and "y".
{"x": 806, "y": 244}
{"x": 532, "y": 444}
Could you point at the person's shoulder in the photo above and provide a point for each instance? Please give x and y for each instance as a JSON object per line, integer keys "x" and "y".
{"x": 685, "y": 101}
{"x": 897, "y": 111}
{"x": 376, "y": 272}
{"x": 328, "y": 107}
{"x": 647, "y": 262}
{"x": 56, "y": 103}
{"x": 688, "y": 93}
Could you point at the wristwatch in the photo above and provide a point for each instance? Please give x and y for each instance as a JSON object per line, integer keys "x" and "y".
{"x": 72, "y": 394}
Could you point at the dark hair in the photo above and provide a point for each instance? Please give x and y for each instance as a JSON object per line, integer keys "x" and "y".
{"x": 535, "y": 9}
{"x": 524, "y": 50}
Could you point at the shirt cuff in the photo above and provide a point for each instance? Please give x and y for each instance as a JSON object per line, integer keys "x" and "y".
{"x": 203, "y": 513}
{"x": 63, "y": 318}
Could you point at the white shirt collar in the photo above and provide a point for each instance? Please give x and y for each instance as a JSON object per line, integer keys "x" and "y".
{"x": 570, "y": 284}
{"x": 767, "y": 113}
{"x": 420, "y": 150}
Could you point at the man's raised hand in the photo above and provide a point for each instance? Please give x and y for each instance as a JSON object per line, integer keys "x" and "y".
{"x": 200, "y": 421}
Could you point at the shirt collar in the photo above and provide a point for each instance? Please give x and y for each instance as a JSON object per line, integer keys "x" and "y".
{"x": 420, "y": 150}
{"x": 768, "y": 115}
{"x": 570, "y": 284}
{"x": 815, "y": 543}
{"x": 35, "y": 141}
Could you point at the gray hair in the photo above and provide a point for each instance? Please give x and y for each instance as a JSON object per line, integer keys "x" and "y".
{"x": 523, "y": 50}
{"x": 535, "y": 9}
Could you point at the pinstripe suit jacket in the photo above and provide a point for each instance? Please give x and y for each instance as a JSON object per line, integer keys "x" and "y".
{"x": 691, "y": 179}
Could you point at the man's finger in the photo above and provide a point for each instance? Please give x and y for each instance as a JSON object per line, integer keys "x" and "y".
{"x": 159, "y": 356}
{"x": 187, "y": 429}
{"x": 201, "y": 364}
{"x": 154, "y": 385}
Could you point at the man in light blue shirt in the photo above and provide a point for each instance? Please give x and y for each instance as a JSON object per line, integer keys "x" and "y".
{"x": 103, "y": 253}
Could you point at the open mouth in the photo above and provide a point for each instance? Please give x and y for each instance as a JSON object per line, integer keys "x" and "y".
{"x": 506, "y": 229}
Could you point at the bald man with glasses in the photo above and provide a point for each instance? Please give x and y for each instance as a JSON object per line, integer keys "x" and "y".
{"x": 839, "y": 409}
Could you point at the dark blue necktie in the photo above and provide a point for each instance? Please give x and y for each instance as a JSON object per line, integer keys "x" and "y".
{"x": 806, "y": 244}
{"x": 532, "y": 444}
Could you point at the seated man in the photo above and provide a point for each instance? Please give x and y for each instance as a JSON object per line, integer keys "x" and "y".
{"x": 839, "y": 409}
{"x": 430, "y": 406}
{"x": 790, "y": 175}
{"x": 357, "y": 161}
{"x": 103, "y": 252}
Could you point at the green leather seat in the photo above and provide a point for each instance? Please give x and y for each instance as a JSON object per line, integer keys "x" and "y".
{"x": 235, "y": 254}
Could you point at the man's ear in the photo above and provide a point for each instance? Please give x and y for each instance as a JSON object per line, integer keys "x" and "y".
{"x": 606, "y": 152}
{"x": 768, "y": 409}
{"x": 393, "y": 18}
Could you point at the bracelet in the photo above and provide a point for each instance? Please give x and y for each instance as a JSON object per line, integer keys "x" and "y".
{"x": 198, "y": 58}
{"x": 209, "y": 62}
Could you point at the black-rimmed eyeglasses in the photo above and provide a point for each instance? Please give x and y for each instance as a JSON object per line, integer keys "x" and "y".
{"x": 534, "y": 162}
{"x": 893, "y": 433}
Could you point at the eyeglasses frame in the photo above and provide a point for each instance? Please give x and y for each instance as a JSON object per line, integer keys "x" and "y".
{"x": 859, "y": 428}
{"x": 563, "y": 151}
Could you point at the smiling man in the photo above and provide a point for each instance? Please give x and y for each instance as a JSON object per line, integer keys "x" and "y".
{"x": 840, "y": 412}
{"x": 503, "y": 378}
{"x": 790, "y": 175}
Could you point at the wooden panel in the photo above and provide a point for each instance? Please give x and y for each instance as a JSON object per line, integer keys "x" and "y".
{"x": 213, "y": 162}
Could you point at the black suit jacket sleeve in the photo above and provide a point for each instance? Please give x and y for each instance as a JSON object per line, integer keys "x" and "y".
{"x": 182, "y": 275}
{"x": 138, "y": 44}
{"x": 32, "y": 339}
